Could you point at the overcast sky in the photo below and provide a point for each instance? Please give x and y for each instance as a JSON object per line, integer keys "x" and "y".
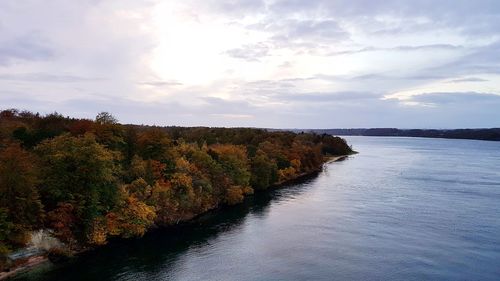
{"x": 286, "y": 64}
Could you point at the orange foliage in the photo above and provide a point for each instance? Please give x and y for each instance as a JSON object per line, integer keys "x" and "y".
{"x": 97, "y": 234}
{"x": 286, "y": 174}
{"x": 81, "y": 127}
{"x": 63, "y": 221}
{"x": 234, "y": 195}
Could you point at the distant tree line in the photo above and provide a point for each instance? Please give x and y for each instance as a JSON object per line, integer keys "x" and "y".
{"x": 492, "y": 134}
{"x": 91, "y": 180}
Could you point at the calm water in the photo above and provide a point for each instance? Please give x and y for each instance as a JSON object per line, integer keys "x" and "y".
{"x": 402, "y": 209}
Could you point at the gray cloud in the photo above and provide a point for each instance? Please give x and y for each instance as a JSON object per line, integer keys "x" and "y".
{"x": 480, "y": 60}
{"x": 160, "y": 83}
{"x": 28, "y": 47}
{"x": 470, "y": 17}
{"x": 331, "y": 97}
{"x": 468, "y": 79}
{"x": 214, "y": 105}
{"x": 306, "y": 35}
{"x": 311, "y": 29}
{"x": 460, "y": 98}
{"x": 233, "y": 8}
{"x": 398, "y": 48}
{"x": 250, "y": 53}
{"x": 44, "y": 77}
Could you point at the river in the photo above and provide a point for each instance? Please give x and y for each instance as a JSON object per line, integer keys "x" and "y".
{"x": 401, "y": 209}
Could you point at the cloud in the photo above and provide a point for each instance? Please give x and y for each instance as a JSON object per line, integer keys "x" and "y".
{"x": 398, "y": 48}
{"x": 29, "y": 47}
{"x": 251, "y": 53}
{"x": 330, "y": 97}
{"x": 232, "y": 116}
{"x": 214, "y": 105}
{"x": 44, "y": 77}
{"x": 309, "y": 35}
{"x": 232, "y": 8}
{"x": 460, "y": 98}
{"x": 478, "y": 60}
{"x": 469, "y": 17}
{"x": 160, "y": 83}
{"x": 468, "y": 79}
{"x": 293, "y": 63}
{"x": 312, "y": 29}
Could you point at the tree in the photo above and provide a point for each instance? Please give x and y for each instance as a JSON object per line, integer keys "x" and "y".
{"x": 139, "y": 188}
{"x": 20, "y": 198}
{"x": 153, "y": 144}
{"x": 6, "y": 227}
{"x": 234, "y": 195}
{"x": 64, "y": 222}
{"x": 131, "y": 218}
{"x": 79, "y": 169}
{"x": 263, "y": 170}
{"x": 80, "y": 127}
{"x": 105, "y": 118}
{"x": 234, "y": 160}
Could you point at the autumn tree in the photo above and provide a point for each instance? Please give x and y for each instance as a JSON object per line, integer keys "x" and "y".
{"x": 153, "y": 144}
{"x": 64, "y": 222}
{"x": 80, "y": 127}
{"x": 131, "y": 217}
{"x": 22, "y": 208}
{"x": 79, "y": 169}
{"x": 234, "y": 161}
{"x": 108, "y": 132}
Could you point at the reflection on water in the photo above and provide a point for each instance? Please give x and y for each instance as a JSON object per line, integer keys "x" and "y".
{"x": 402, "y": 209}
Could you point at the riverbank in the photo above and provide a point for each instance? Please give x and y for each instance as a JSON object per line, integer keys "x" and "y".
{"x": 29, "y": 264}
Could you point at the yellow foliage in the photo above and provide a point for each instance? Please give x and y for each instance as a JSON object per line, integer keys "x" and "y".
{"x": 183, "y": 165}
{"x": 139, "y": 188}
{"x": 181, "y": 180}
{"x": 234, "y": 195}
{"x": 286, "y": 174}
{"x": 132, "y": 219}
{"x": 247, "y": 190}
{"x": 295, "y": 164}
{"x": 97, "y": 234}
{"x": 238, "y": 151}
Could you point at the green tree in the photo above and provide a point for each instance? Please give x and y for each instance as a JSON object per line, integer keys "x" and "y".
{"x": 78, "y": 169}
{"x": 105, "y": 118}
{"x": 263, "y": 170}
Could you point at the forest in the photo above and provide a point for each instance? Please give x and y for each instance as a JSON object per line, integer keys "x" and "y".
{"x": 489, "y": 134}
{"x": 89, "y": 181}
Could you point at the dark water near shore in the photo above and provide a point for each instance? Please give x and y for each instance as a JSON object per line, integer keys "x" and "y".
{"x": 402, "y": 209}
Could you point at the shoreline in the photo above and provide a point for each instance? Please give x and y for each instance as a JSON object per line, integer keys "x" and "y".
{"x": 30, "y": 264}
{"x": 36, "y": 261}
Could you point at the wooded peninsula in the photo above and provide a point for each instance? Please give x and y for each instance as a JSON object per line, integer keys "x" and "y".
{"x": 87, "y": 181}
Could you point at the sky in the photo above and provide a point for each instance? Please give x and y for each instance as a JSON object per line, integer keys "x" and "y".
{"x": 252, "y": 63}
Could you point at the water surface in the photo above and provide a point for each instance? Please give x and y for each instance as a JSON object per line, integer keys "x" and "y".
{"x": 402, "y": 209}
